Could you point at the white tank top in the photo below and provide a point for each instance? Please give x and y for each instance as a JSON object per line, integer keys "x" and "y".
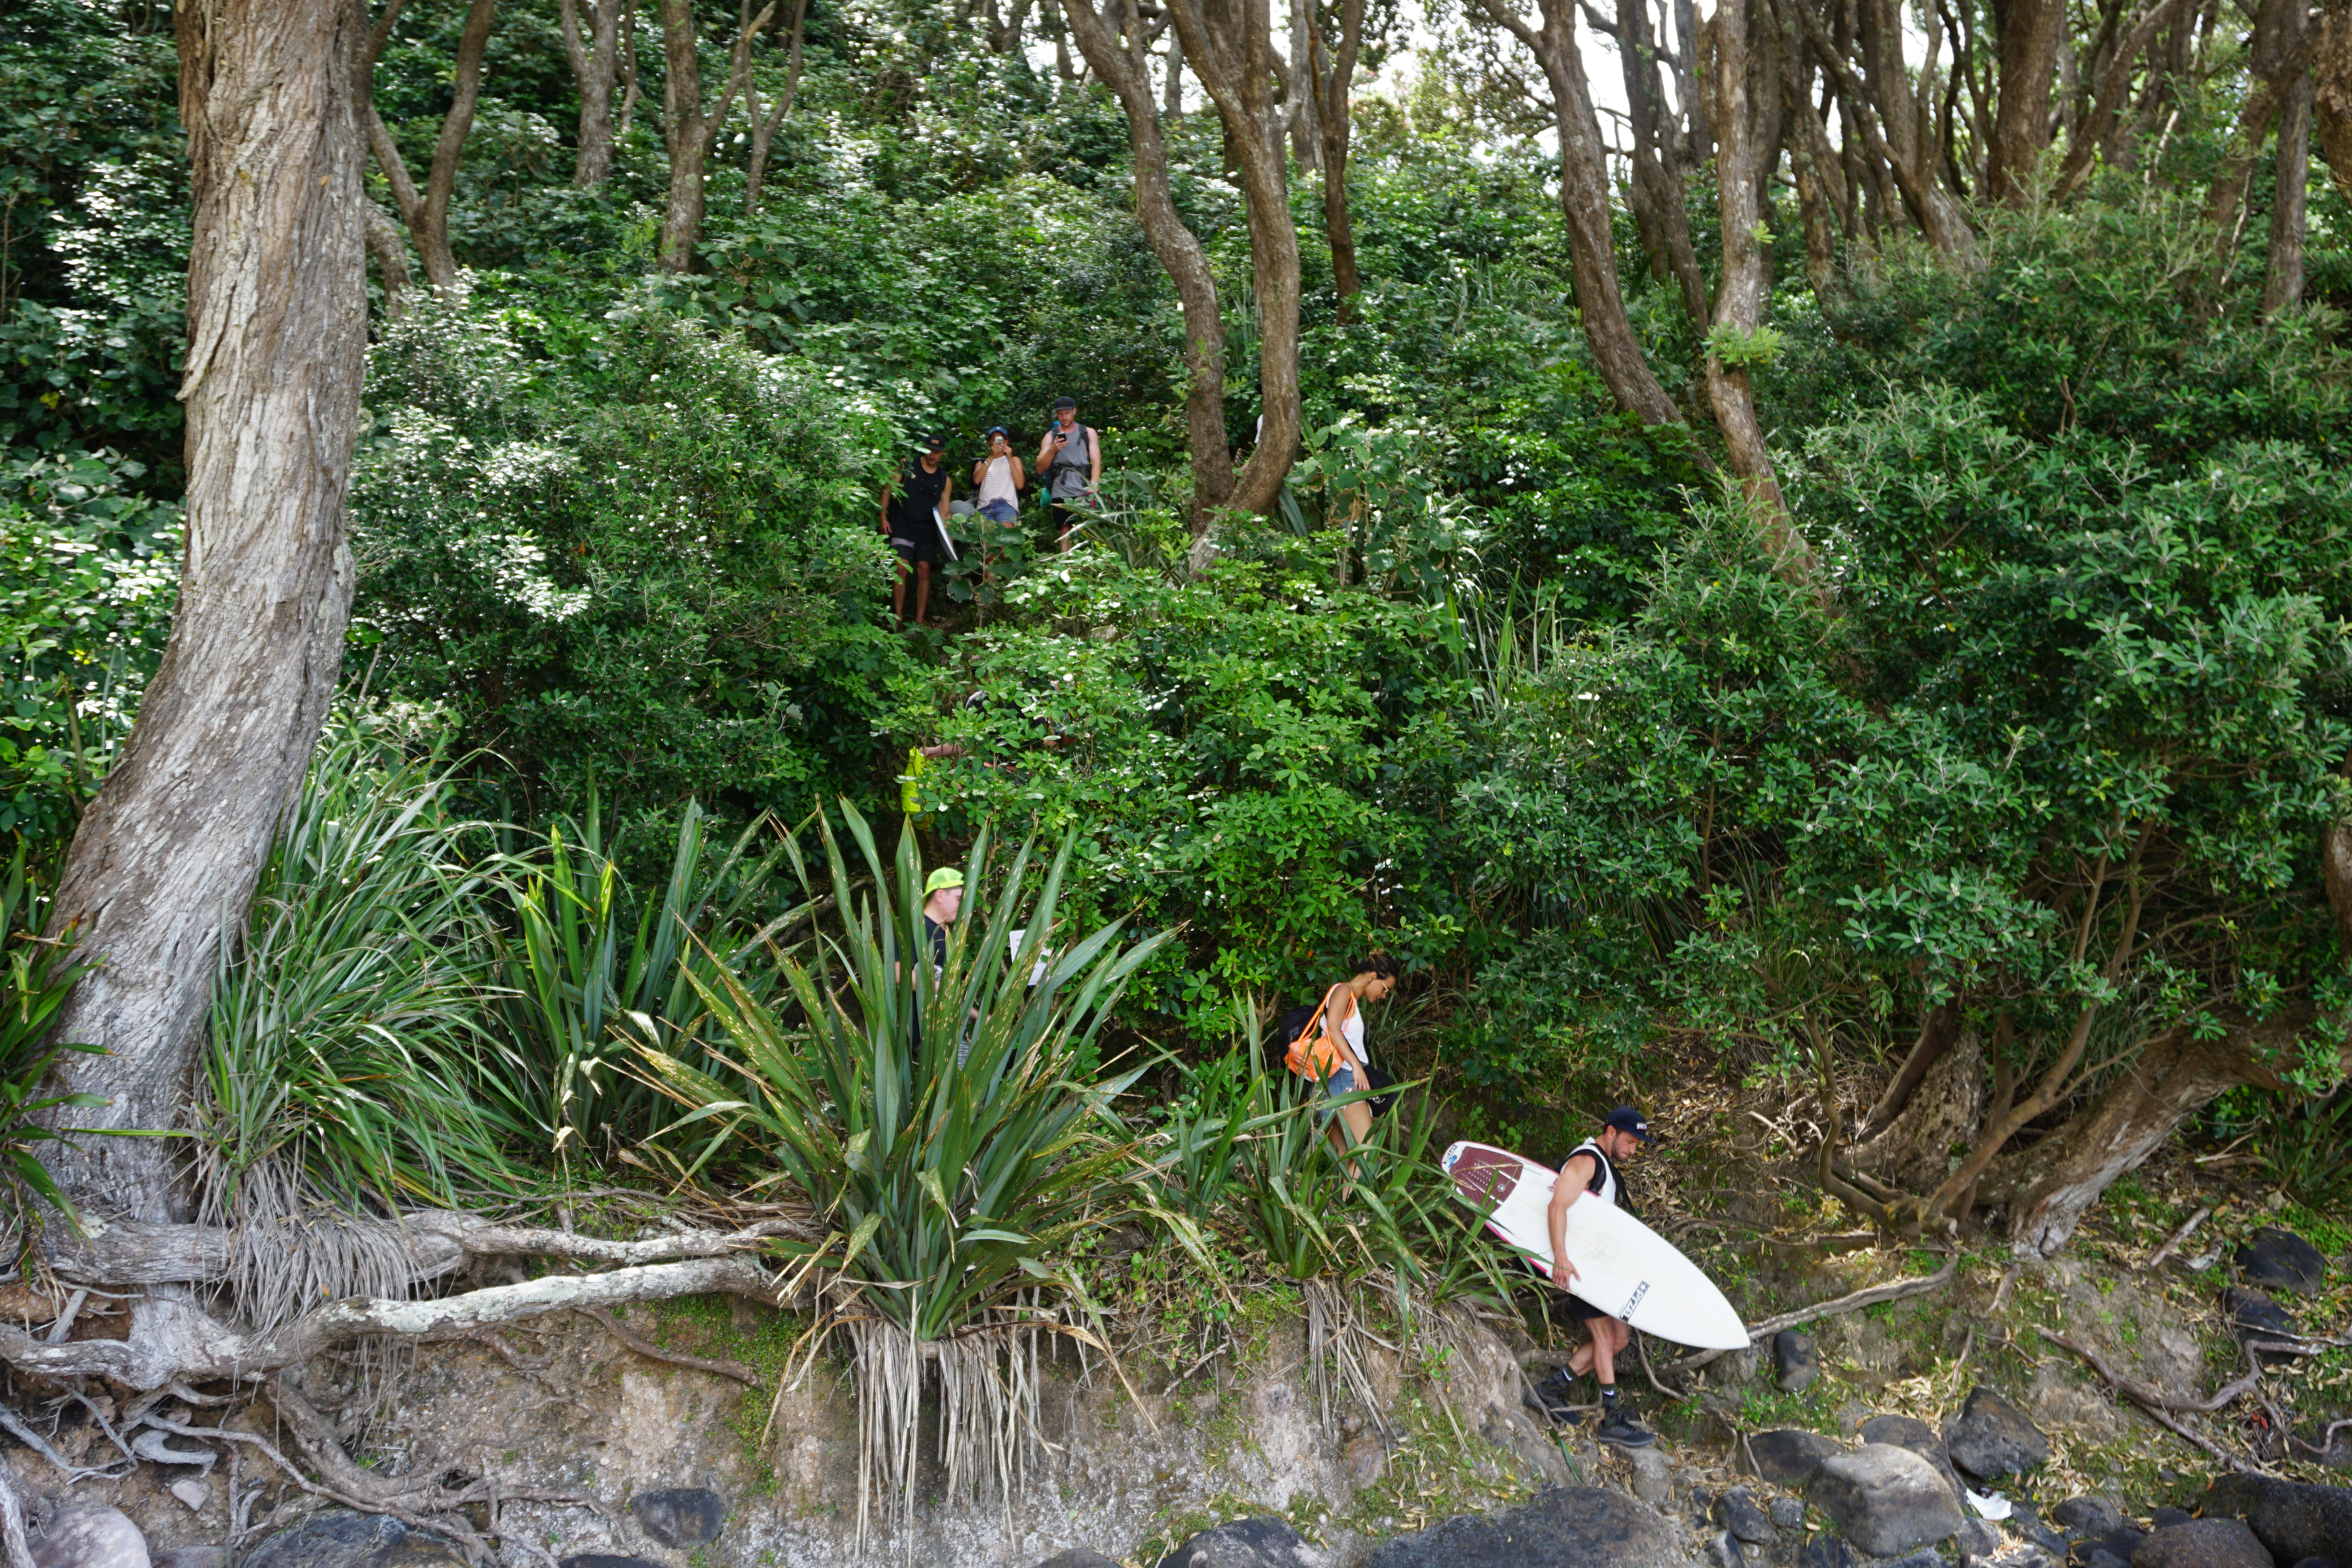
{"x": 1352, "y": 1031}
{"x": 996, "y": 482}
{"x": 1608, "y": 1190}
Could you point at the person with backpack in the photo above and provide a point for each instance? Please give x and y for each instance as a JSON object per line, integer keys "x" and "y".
{"x": 1328, "y": 1047}
{"x": 1070, "y": 460}
{"x": 1591, "y": 1174}
{"x": 915, "y": 521}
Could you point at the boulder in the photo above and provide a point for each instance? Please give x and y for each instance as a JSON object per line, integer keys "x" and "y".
{"x": 85, "y": 1536}
{"x": 1735, "y": 1510}
{"x": 1564, "y": 1527}
{"x": 343, "y": 1539}
{"x": 2088, "y": 1518}
{"x": 2202, "y": 1543}
{"x": 191, "y": 1557}
{"x": 1264, "y": 1543}
{"x": 1786, "y": 1512}
{"x": 2161, "y": 1516}
{"x": 1826, "y": 1552}
{"x": 2276, "y": 1259}
{"x": 1794, "y": 1364}
{"x": 604, "y": 1560}
{"x": 1884, "y": 1500}
{"x": 1653, "y": 1475}
{"x": 1077, "y": 1557}
{"x": 2254, "y": 1315}
{"x": 1990, "y": 1437}
{"x": 1789, "y": 1456}
{"x": 2118, "y": 1545}
{"x": 1723, "y": 1551}
{"x": 2101, "y": 1557}
{"x": 1927, "y": 1557}
{"x": 2293, "y": 1519}
{"x": 2316, "y": 1562}
{"x": 681, "y": 1516}
{"x": 1905, "y": 1431}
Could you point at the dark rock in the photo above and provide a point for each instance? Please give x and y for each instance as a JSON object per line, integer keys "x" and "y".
{"x": 1789, "y": 1456}
{"x": 2118, "y": 1545}
{"x": 2163, "y": 1518}
{"x": 2041, "y": 1535}
{"x": 341, "y": 1539}
{"x": 1263, "y": 1542}
{"x": 2316, "y": 1562}
{"x": 1925, "y": 1558}
{"x": 1723, "y": 1551}
{"x": 1078, "y": 1557}
{"x": 1794, "y": 1364}
{"x": 604, "y": 1560}
{"x": 2293, "y": 1519}
{"x": 191, "y": 1557}
{"x": 1978, "y": 1537}
{"x": 1884, "y": 1500}
{"x": 2101, "y": 1557}
{"x": 1786, "y": 1512}
{"x": 84, "y": 1535}
{"x": 1565, "y": 1527}
{"x": 2276, "y": 1259}
{"x": 681, "y": 1516}
{"x": 2336, "y": 1447}
{"x": 2202, "y": 1543}
{"x": 1826, "y": 1552}
{"x": 1735, "y": 1510}
{"x": 2254, "y": 1315}
{"x": 1990, "y": 1437}
{"x": 1903, "y": 1432}
{"x": 2086, "y": 1517}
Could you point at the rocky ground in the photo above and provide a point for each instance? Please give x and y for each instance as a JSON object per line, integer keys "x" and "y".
{"x": 2015, "y": 1413}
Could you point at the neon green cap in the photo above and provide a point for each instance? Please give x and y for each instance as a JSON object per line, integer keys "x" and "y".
{"x": 945, "y": 877}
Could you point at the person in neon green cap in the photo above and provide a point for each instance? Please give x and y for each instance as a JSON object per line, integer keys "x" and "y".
{"x": 942, "y": 901}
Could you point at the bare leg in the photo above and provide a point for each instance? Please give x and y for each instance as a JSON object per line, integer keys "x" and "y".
{"x": 898, "y": 596}
{"x": 1604, "y": 1347}
{"x": 1358, "y": 1118}
{"x": 922, "y": 590}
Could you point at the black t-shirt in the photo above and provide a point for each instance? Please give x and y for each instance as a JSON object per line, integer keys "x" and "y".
{"x": 938, "y": 935}
{"x": 918, "y": 500}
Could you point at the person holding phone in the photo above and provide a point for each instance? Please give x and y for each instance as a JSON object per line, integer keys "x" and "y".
{"x": 1070, "y": 461}
{"x": 915, "y": 519}
{"x": 1000, "y": 478}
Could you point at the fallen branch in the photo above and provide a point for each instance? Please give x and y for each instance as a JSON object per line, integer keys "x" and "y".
{"x": 645, "y": 1347}
{"x": 2141, "y": 1394}
{"x": 2172, "y": 1242}
{"x": 1869, "y": 1296}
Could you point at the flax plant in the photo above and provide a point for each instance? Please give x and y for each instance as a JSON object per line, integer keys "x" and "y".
{"x": 950, "y": 1185}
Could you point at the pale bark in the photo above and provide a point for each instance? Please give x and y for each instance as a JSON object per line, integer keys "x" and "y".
{"x": 2112, "y": 80}
{"x": 2331, "y": 99}
{"x": 2289, "y": 203}
{"x": 1660, "y": 211}
{"x": 390, "y": 248}
{"x": 688, "y": 125}
{"x": 426, "y": 213}
{"x": 1230, "y": 46}
{"x": 1937, "y": 1033}
{"x": 1181, "y": 255}
{"x": 2280, "y": 54}
{"x": 166, "y": 860}
{"x": 595, "y": 61}
{"x": 765, "y": 123}
{"x": 2030, "y": 31}
{"x": 1911, "y": 1152}
{"x": 1584, "y": 199}
{"x": 2171, "y": 1079}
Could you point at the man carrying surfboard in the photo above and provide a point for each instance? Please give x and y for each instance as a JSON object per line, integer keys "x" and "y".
{"x": 1590, "y": 1172}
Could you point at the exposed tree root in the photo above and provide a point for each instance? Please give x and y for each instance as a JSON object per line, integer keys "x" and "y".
{"x": 1871, "y": 1296}
{"x": 2161, "y": 1406}
{"x": 645, "y": 1347}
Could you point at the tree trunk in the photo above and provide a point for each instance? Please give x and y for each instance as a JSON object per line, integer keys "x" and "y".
{"x": 427, "y": 214}
{"x": 1333, "y": 74}
{"x": 595, "y": 71}
{"x": 1180, "y": 253}
{"x": 2278, "y": 62}
{"x": 2289, "y": 203}
{"x": 1911, "y": 1151}
{"x": 1661, "y": 210}
{"x": 390, "y": 248}
{"x": 1584, "y": 198}
{"x": 2172, "y": 1077}
{"x": 166, "y": 857}
{"x": 2030, "y": 31}
{"x": 689, "y": 127}
{"x": 2113, "y": 79}
{"x": 765, "y": 124}
{"x": 2331, "y": 99}
{"x": 1230, "y": 46}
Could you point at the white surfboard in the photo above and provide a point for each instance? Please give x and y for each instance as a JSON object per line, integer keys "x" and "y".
{"x": 1622, "y": 1265}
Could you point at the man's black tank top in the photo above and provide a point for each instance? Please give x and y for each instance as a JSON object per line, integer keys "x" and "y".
{"x": 918, "y": 498}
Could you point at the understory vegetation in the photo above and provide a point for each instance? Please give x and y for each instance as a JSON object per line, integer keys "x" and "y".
{"x": 607, "y": 872}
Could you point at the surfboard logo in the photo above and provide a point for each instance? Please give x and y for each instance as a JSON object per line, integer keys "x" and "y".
{"x": 1635, "y": 1300}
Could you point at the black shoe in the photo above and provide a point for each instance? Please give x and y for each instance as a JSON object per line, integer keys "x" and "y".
{"x": 1554, "y": 1397}
{"x": 1619, "y": 1428}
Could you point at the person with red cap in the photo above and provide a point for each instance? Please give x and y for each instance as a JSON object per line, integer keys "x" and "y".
{"x": 1591, "y": 1174}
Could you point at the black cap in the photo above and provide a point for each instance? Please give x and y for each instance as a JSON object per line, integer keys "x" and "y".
{"x": 1625, "y": 1118}
{"x": 935, "y": 443}
{"x": 1062, "y": 402}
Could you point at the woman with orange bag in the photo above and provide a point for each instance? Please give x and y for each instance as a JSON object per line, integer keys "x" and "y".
{"x": 1329, "y": 1049}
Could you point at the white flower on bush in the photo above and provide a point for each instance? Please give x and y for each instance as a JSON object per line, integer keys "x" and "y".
{"x": 517, "y": 565}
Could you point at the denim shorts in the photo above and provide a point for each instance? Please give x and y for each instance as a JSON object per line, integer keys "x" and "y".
{"x": 1342, "y": 1081}
{"x": 1000, "y": 511}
